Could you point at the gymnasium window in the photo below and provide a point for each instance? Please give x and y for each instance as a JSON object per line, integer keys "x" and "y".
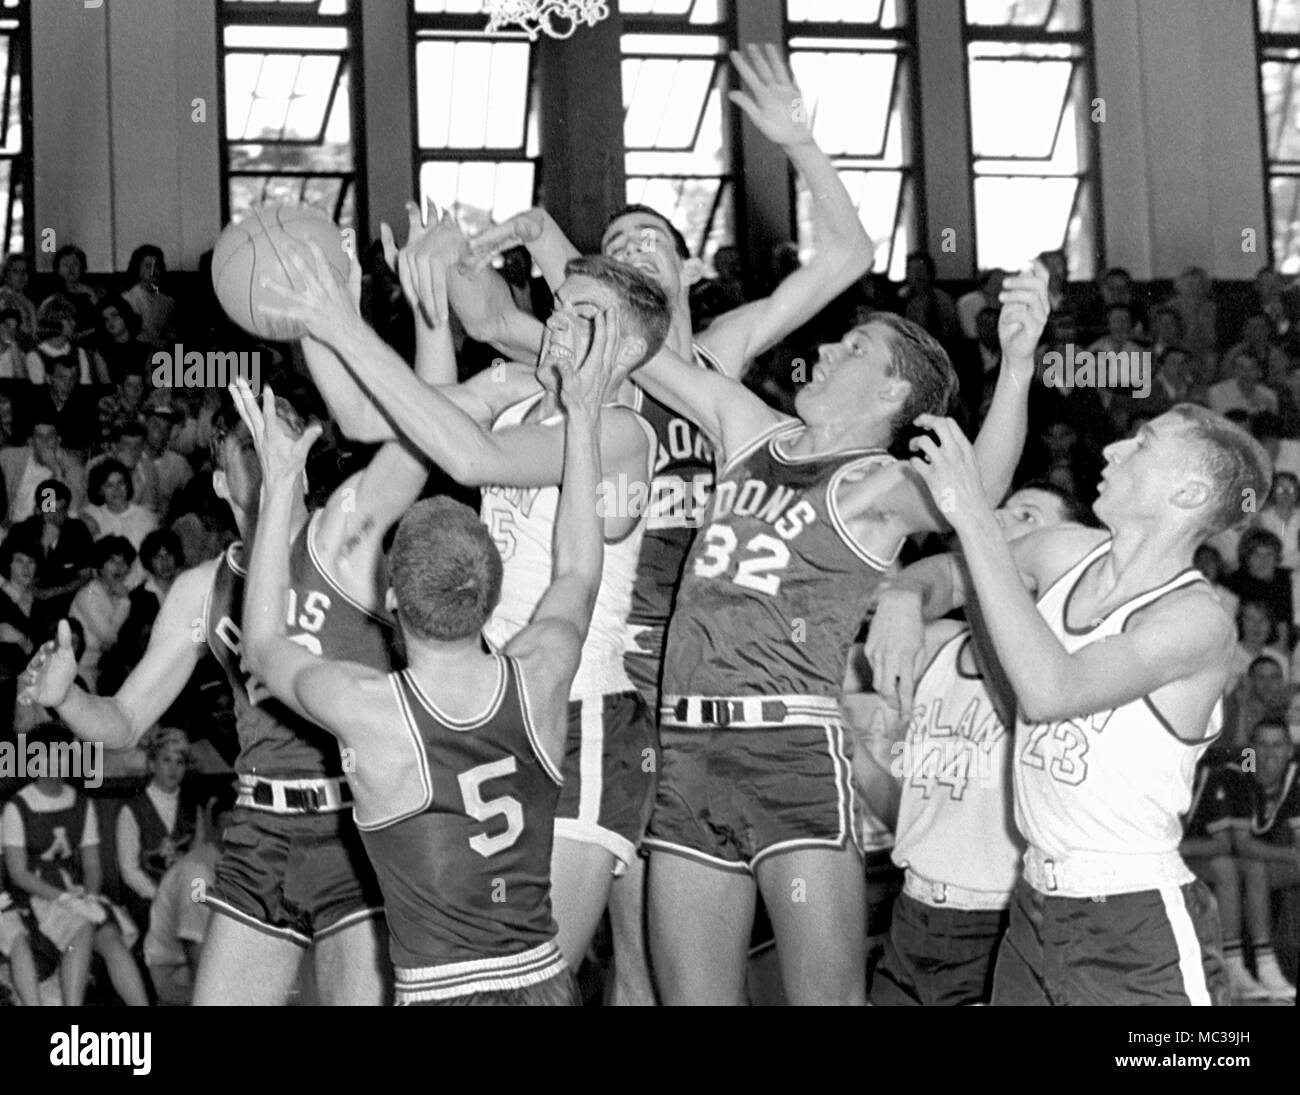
{"x": 290, "y": 117}
{"x": 16, "y": 147}
{"x": 854, "y": 63}
{"x": 676, "y": 132}
{"x": 1033, "y": 143}
{"x": 1279, "y": 75}
{"x": 476, "y": 114}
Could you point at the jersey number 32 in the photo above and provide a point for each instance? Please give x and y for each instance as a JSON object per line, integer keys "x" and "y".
{"x": 759, "y": 558}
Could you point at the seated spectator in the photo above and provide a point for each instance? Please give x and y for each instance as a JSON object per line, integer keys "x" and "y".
{"x": 161, "y": 556}
{"x": 1259, "y": 635}
{"x": 41, "y": 459}
{"x": 1261, "y": 694}
{"x": 1281, "y": 517}
{"x": 1244, "y": 390}
{"x": 15, "y": 275}
{"x": 69, "y": 404}
{"x": 129, "y": 397}
{"x": 55, "y": 325}
{"x": 1270, "y": 849}
{"x": 171, "y": 470}
{"x": 1260, "y": 576}
{"x": 926, "y": 305}
{"x": 1220, "y": 809}
{"x": 70, "y": 266}
{"x": 1270, "y": 293}
{"x": 126, "y": 445}
{"x": 118, "y": 349}
{"x": 13, "y": 354}
{"x": 1196, "y": 308}
{"x": 1283, "y": 450}
{"x": 178, "y": 921}
{"x": 970, "y": 305}
{"x": 113, "y": 510}
{"x": 61, "y": 545}
{"x": 1257, "y": 340}
{"x": 159, "y": 825}
{"x": 1210, "y": 563}
{"x": 7, "y": 428}
{"x": 51, "y": 844}
{"x": 160, "y": 553}
{"x": 16, "y": 947}
{"x": 102, "y": 605}
{"x": 154, "y": 307}
{"x": 17, "y": 629}
{"x": 1166, "y": 330}
{"x": 1175, "y": 381}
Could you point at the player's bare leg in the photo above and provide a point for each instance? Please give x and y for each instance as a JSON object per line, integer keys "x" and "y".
{"x": 1225, "y": 881}
{"x": 74, "y": 969}
{"x": 700, "y": 922}
{"x": 627, "y": 916}
{"x": 581, "y": 876}
{"x": 1258, "y": 907}
{"x": 244, "y": 966}
{"x": 122, "y": 970}
{"x": 817, "y": 900}
{"x": 352, "y": 966}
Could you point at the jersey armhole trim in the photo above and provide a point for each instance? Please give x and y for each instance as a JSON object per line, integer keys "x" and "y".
{"x": 1074, "y": 571}
{"x": 526, "y": 711}
{"x": 786, "y": 424}
{"x": 462, "y": 725}
{"x": 422, "y": 760}
{"x": 841, "y": 527}
{"x": 330, "y": 580}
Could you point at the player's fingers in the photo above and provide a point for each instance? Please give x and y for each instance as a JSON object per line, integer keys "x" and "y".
{"x": 754, "y": 54}
{"x": 745, "y": 103}
{"x": 776, "y": 62}
{"x": 354, "y": 281}
{"x": 389, "y": 244}
{"x": 924, "y": 446}
{"x": 65, "y": 635}
{"x": 414, "y": 221}
{"x": 309, "y": 437}
{"x": 440, "y": 295}
{"x": 746, "y": 70}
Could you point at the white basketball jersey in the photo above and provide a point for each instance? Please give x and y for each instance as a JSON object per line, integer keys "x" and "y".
{"x": 522, "y": 522}
{"x": 1113, "y": 783}
{"x": 954, "y": 817}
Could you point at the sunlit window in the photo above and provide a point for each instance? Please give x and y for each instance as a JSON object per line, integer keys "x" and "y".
{"x": 1032, "y": 136}
{"x": 15, "y": 150}
{"x": 675, "y": 127}
{"x": 1279, "y": 51}
{"x": 476, "y": 114}
{"x": 852, "y": 60}
{"x": 288, "y": 132}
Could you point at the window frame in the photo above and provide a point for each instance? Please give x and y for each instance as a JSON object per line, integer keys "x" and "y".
{"x": 22, "y": 162}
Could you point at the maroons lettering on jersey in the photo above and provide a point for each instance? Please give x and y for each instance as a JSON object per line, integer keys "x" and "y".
{"x": 680, "y": 442}
{"x": 1061, "y": 748}
{"x": 939, "y": 753}
{"x": 765, "y": 502}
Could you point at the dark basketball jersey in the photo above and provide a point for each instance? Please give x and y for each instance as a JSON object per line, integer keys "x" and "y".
{"x": 53, "y": 840}
{"x": 774, "y": 587}
{"x": 679, "y": 491}
{"x": 467, "y": 876}
{"x": 1221, "y": 799}
{"x": 273, "y": 740}
{"x": 159, "y": 849}
{"x": 1276, "y": 818}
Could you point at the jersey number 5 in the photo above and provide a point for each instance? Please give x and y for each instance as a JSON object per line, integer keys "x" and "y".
{"x": 471, "y": 784}
{"x": 766, "y": 553}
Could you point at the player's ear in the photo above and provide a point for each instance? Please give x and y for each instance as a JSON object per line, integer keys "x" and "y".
{"x": 1192, "y": 495}
{"x": 692, "y": 271}
{"x": 895, "y": 390}
{"x": 220, "y": 487}
{"x": 390, "y": 600}
{"x": 631, "y": 351}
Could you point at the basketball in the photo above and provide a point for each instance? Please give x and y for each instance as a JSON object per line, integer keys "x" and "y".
{"x": 252, "y": 250}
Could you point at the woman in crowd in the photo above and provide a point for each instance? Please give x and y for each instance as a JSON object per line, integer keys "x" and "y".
{"x": 155, "y": 308}
{"x": 56, "y": 330}
{"x": 61, "y": 545}
{"x": 113, "y": 510}
{"x": 15, "y": 274}
{"x": 70, "y": 266}
{"x": 17, "y": 628}
{"x": 103, "y": 604}
{"x": 118, "y": 348}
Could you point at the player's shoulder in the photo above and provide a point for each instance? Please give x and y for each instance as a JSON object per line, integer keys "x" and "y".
{"x": 1047, "y": 555}
{"x": 194, "y": 583}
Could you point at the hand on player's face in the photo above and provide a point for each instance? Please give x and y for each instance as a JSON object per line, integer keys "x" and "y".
{"x": 1025, "y": 308}
{"x": 947, "y": 466}
{"x": 583, "y": 389}
{"x": 281, "y": 455}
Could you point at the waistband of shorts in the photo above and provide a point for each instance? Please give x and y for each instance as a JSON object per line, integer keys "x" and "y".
{"x": 294, "y": 796}
{"x": 745, "y": 712}
{"x": 1085, "y": 874}
{"x": 944, "y": 895}
{"x": 510, "y": 971}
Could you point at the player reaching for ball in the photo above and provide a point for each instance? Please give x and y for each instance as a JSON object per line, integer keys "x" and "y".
{"x": 1119, "y": 671}
{"x": 292, "y": 874}
{"x": 458, "y": 756}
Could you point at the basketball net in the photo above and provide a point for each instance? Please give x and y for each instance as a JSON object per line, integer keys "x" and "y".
{"x": 556, "y": 18}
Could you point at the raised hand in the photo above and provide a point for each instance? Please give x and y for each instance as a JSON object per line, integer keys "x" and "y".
{"x": 50, "y": 674}
{"x": 282, "y": 456}
{"x": 771, "y": 98}
{"x": 519, "y": 231}
{"x": 949, "y": 469}
{"x": 317, "y": 298}
{"x": 434, "y": 246}
{"x": 1025, "y": 309}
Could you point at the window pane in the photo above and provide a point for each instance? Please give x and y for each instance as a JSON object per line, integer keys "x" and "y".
{"x": 1279, "y": 16}
{"x": 1052, "y": 15}
{"x": 304, "y": 7}
{"x": 692, "y": 205}
{"x": 480, "y": 193}
{"x": 1017, "y": 107}
{"x": 887, "y": 14}
{"x": 324, "y": 193}
{"x": 1015, "y": 219}
{"x": 878, "y": 197}
{"x": 848, "y": 124}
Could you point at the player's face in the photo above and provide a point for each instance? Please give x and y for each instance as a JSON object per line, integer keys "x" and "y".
{"x": 572, "y": 324}
{"x": 848, "y": 374}
{"x": 1142, "y": 472}
{"x": 1272, "y": 752}
{"x": 169, "y": 767}
{"x": 1027, "y": 511}
{"x": 642, "y": 240}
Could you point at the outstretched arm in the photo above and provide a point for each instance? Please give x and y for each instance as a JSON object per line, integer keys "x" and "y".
{"x": 843, "y": 249}
{"x": 534, "y": 229}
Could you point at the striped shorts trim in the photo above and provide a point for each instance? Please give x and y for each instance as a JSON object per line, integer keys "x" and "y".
{"x": 511, "y": 971}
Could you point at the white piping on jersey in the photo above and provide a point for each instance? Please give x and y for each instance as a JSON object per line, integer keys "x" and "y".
{"x": 591, "y": 754}
{"x": 462, "y": 725}
{"x": 707, "y": 358}
{"x": 319, "y": 564}
{"x": 1270, "y": 814}
{"x": 758, "y": 440}
{"x": 809, "y": 457}
{"x": 526, "y": 711}
{"x": 838, "y": 523}
{"x": 230, "y": 558}
{"x": 505, "y": 973}
{"x": 421, "y": 759}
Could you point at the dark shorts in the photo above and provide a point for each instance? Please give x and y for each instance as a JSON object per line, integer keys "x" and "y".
{"x": 296, "y": 877}
{"x": 938, "y": 957}
{"x": 558, "y": 991}
{"x": 644, "y": 662}
{"x": 1160, "y": 946}
{"x": 729, "y": 797}
{"x": 611, "y": 756}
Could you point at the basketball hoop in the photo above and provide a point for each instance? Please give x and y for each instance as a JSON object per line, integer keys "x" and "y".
{"x": 556, "y": 18}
